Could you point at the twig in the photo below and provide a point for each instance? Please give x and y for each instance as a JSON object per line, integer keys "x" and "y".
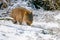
{"x": 5, "y": 18}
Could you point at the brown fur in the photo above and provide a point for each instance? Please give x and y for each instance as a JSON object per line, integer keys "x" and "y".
{"x": 22, "y": 15}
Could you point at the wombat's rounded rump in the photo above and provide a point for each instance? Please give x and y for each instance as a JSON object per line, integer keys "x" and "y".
{"x": 22, "y": 15}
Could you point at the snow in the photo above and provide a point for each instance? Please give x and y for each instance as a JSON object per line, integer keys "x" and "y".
{"x": 10, "y": 31}
{"x": 44, "y": 27}
{"x": 20, "y": 32}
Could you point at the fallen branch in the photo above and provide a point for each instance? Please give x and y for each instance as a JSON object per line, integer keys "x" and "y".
{"x": 5, "y": 18}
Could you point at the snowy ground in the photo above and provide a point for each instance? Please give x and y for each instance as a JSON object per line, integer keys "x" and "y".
{"x": 46, "y": 26}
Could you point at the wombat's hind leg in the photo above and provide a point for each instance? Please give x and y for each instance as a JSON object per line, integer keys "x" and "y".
{"x": 20, "y": 22}
{"x": 14, "y": 21}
